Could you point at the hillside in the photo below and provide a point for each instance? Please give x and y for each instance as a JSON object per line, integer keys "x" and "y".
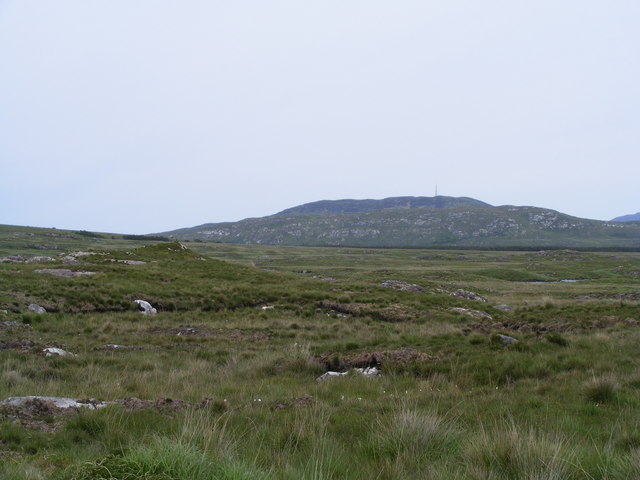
{"x": 470, "y": 225}
{"x": 635, "y": 217}
{"x": 357, "y": 206}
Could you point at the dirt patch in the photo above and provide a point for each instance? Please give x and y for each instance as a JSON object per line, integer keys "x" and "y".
{"x": 202, "y": 331}
{"x": 392, "y": 313}
{"x": 36, "y": 414}
{"x": 299, "y": 402}
{"x": 163, "y": 404}
{"x": 24, "y": 345}
{"x": 559, "y": 326}
{"x": 400, "y": 356}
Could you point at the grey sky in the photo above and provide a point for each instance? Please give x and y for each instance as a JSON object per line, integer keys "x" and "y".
{"x": 141, "y": 116}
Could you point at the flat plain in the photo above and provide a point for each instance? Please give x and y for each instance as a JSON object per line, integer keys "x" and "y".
{"x": 491, "y": 364}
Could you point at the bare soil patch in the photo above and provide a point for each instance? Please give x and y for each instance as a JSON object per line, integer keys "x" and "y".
{"x": 400, "y": 356}
{"x": 392, "y": 313}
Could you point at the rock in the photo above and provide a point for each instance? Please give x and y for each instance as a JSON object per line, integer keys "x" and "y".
{"x": 145, "y": 307}
{"x": 12, "y": 324}
{"x": 57, "y": 352}
{"x": 467, "y": 295}
{"x": 506, "y": 339}
{"x": 472, "y": 313}
{"x": 504, "y": 308}
{"x": 402, "y": 286}
{"x": 40, "y": 259}
{"x": 58, "y": 402}
{"x": 368, "y": 372}
{"x": 35, "y": 308}
{"x": 268, "y": 307}
{"x": 132, "y": 262}
{"x": 327, "y": 375}
{"x": 71, "y": 260}
{"x": 63, "y": 272}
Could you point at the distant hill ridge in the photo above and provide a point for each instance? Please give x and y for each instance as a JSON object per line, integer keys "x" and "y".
{"x": 417, "y": 222}
{"x": 628, "y": 218}
{"x": 356, "y": 206}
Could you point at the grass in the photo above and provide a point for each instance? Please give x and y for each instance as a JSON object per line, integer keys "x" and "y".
{"x": 561, "y": 403}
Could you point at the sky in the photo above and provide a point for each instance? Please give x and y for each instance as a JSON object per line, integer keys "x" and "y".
{"x": 143, "y": 116}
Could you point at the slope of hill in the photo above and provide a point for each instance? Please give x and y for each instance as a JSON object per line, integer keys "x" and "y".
{"x": 635, "y": 217}
{"x": 477, "y": 226}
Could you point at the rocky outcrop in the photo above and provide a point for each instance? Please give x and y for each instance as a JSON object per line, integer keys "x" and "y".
{"x": 467, "y": 295}
{"x": 402, "y": 286}
{"x": 472, "y": 313}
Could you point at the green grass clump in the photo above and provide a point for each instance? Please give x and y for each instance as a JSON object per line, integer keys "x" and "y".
{"x": 601, "y": 390}
{"x": 166, "y": 459}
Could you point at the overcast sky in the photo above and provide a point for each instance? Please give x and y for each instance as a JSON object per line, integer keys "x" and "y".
{"x": 140, "y": 116}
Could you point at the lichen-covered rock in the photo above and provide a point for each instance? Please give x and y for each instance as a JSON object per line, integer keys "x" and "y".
{"x": 35, "y": 308}
{"x": 471, "y": 313}
{"x": 402, "y": 286}
{"x": 467, "y": 295}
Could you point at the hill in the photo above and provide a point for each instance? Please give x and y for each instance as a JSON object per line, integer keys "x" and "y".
{"x": 635, "y": 217}
{"x": 357, "y": 206}
{"x": 407, "y": 223}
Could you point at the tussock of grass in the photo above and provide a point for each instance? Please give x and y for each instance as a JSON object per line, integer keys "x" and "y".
{"x": 508, "y": 452}
{"x": 601, "y": 389}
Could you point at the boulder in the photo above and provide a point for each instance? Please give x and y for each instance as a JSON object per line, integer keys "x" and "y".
{"x": 504, "y": 308}
{"x": 471, "y": 313}
{"x": 327, "y": 375}
{"x": 58, "y": 402}
{"x": 506, "y": 339}
{"x": 63, "y": 272}
{"x": 368, "y": 372}
{"x": 467, "y": 295}
{"x": 402, "y": 286}
{"x": 57, "y": 352}
{"x": 35, "y": 308}
{"x": 145, "y": 307}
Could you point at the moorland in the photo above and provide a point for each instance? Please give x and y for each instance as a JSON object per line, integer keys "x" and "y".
{"x": 490, "y": 364}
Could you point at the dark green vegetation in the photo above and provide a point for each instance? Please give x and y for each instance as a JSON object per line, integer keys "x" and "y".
{"x": 418, "y": 222}
{"x": 452, "y": 402}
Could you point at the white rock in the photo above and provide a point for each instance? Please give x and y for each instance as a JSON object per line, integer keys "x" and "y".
{"x": 330, "y": 374}
{"x": 57, "y": 352}
{"x": 145, "y": 307}
{"x": 35, "y": 308}
{"x": 506, "y": 339}
{"x": 60, "y": 402}
{"x": 368, "y": 372}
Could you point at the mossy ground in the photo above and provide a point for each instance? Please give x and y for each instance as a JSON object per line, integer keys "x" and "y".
{"x": 563, "y": 402}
